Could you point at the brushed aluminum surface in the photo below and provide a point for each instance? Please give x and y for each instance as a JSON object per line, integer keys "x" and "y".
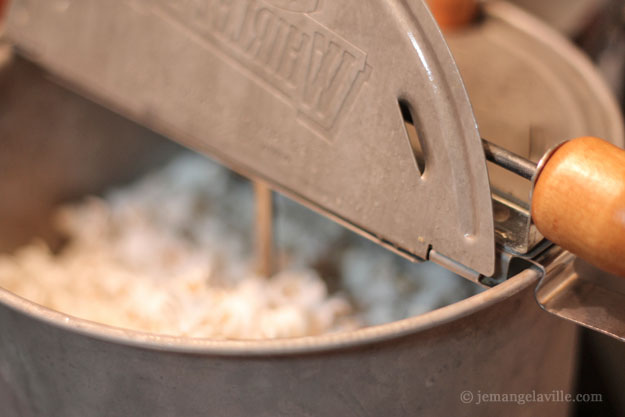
{"x": 302, "y": 94}
{"x": 55, "y": 365}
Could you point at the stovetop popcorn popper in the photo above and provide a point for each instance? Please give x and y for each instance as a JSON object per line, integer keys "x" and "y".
{"x": 358, "y": 111}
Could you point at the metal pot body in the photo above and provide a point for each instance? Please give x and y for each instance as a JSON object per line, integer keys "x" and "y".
{"x": 497, "y": 342}
{"x": 442, "y": 363}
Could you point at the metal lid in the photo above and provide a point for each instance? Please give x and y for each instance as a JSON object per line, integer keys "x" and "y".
{"x": 304, "y": 94}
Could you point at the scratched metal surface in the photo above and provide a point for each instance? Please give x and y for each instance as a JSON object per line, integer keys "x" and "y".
{"x": 303, "y": 94}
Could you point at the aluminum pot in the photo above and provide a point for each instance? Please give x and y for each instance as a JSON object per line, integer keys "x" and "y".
{"x": 439, "y": 363}
{"x": 54, "y": 365}
{"x": 496, "y": 342}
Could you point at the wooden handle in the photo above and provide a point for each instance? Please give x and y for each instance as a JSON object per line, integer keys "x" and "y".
{"x": 453, "y": 14}
{"x": 579, "y": 202}
{"x": 3, "y": 8}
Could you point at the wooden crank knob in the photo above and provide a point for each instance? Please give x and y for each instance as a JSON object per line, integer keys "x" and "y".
{"x": 578, "y": 201}
{"x": 3, "y": 8}
{"x": 453, "y": 14}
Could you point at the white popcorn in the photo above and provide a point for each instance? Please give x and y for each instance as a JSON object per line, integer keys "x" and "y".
{"x": 171, "y": 254}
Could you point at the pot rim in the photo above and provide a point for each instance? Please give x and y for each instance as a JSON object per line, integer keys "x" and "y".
{"x": 302, "y": 345}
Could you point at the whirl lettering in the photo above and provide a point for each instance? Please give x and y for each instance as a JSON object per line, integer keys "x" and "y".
{"x": 313, "y": 67}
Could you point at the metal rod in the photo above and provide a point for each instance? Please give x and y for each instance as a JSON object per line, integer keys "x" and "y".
{"x": 508, "y": 160}
{"x": 263, "y": 198}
